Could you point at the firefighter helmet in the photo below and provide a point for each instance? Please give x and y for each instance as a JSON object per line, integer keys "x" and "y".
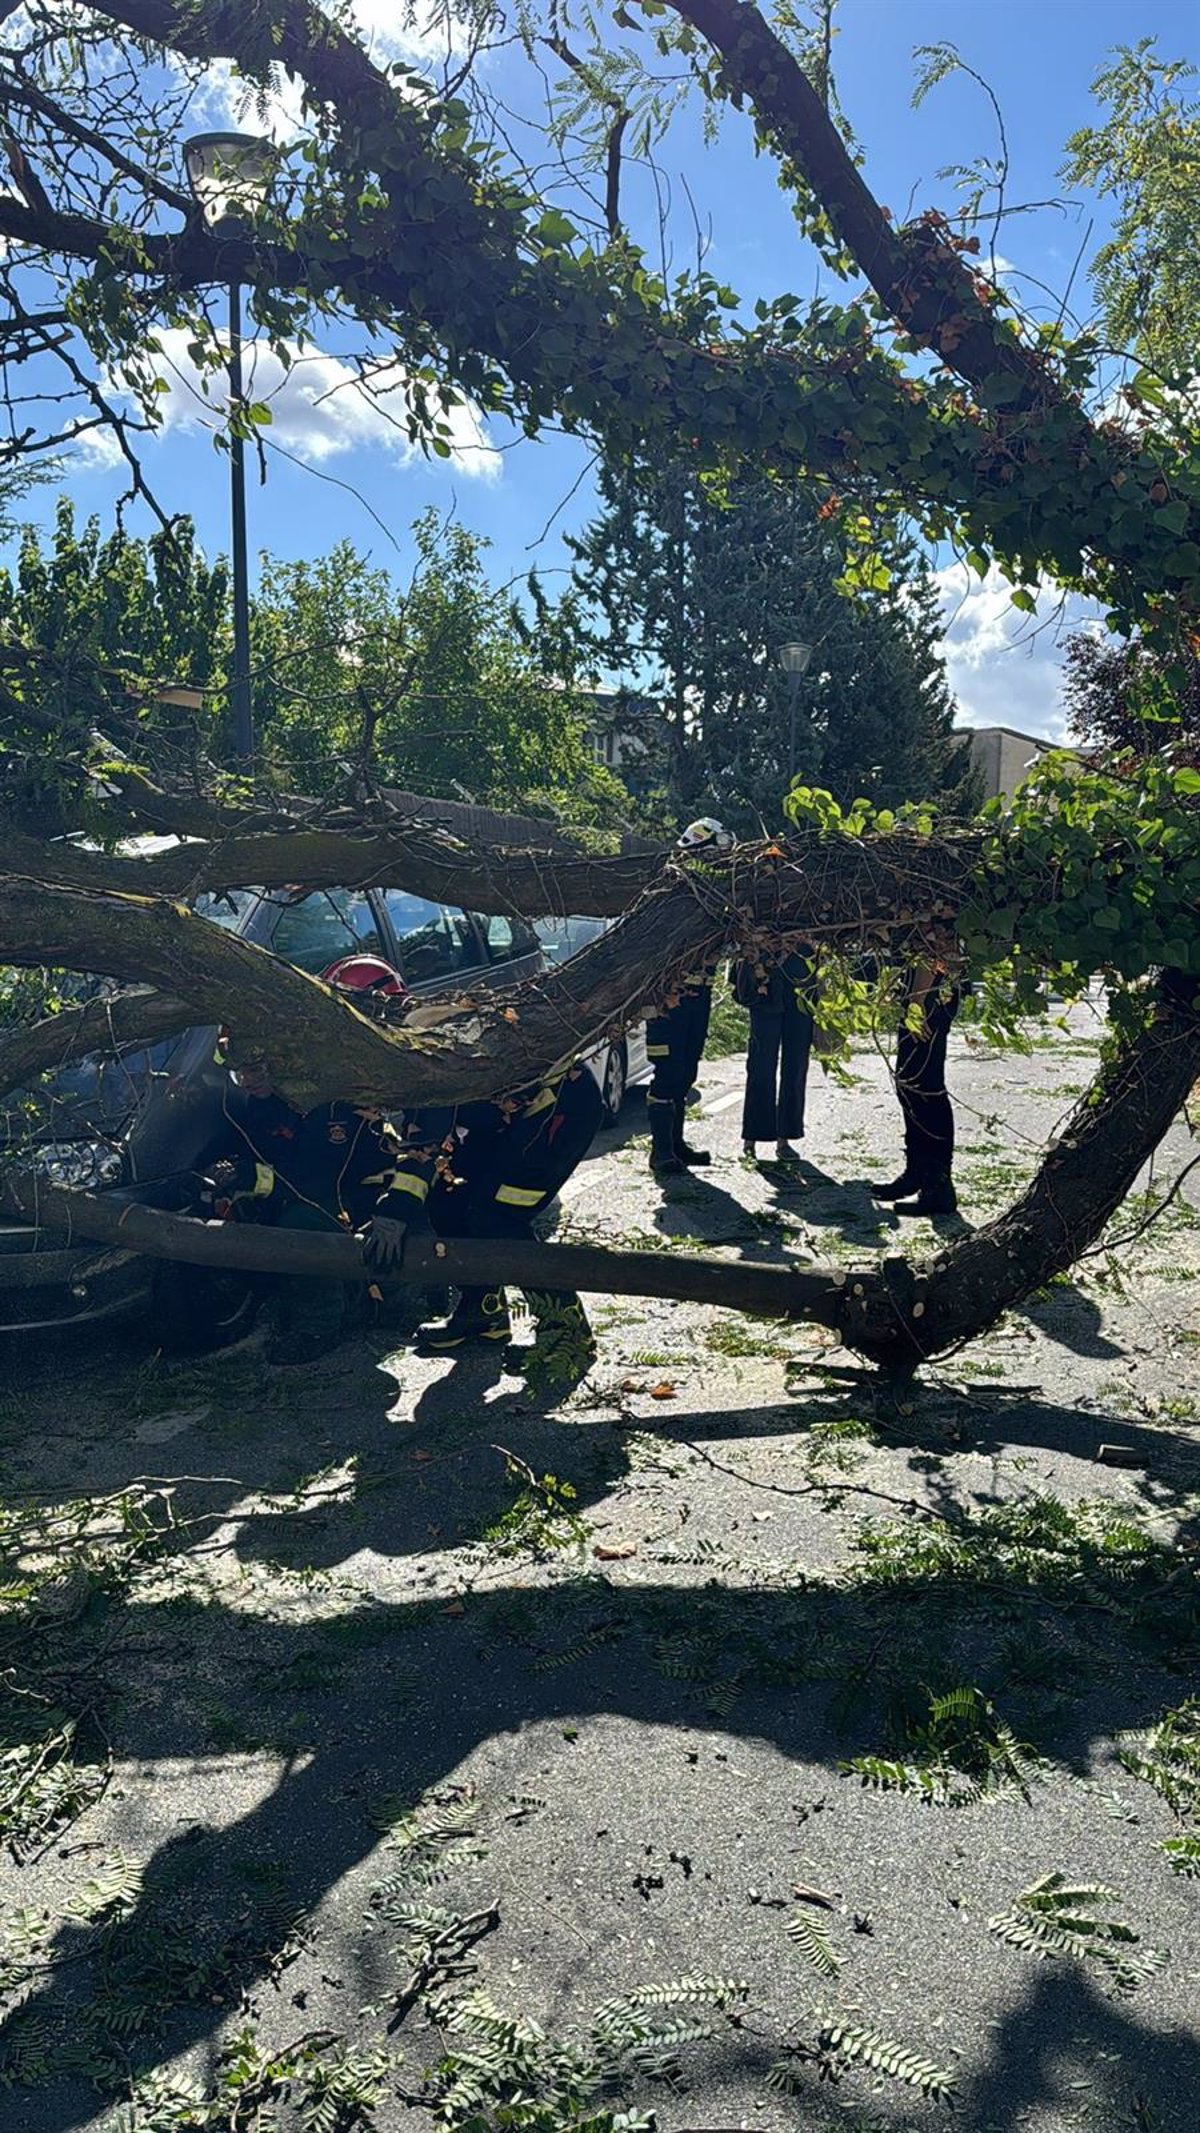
{"x": 708, "y": 834}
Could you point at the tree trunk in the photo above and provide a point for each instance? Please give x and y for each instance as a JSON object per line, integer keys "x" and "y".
{"x": 739, "y": 1285}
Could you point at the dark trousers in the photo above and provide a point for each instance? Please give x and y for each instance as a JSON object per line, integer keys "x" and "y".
{"x": 921, "y": 1087}
{"x": 476, "y": 1208}
{"x": 675, "y": 1045}
{"x": 777, "y": 1071}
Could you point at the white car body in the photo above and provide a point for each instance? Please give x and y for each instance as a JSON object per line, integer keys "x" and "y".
{"x": 620, "y": 1063}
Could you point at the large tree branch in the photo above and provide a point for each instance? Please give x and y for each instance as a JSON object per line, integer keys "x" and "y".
{"x": 426, "y": 862}
{"x": 318, "y": 1047}
{"x": 123, "y": 1023}
{"x": 783, "y": 1292}
{"x": 921, "y": 279}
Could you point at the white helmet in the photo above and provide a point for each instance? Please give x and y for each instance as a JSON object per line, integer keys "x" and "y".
{"x": 706, "y": 832}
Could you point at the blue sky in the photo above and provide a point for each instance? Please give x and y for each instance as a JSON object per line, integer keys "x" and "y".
{"x": 357, "y": 481}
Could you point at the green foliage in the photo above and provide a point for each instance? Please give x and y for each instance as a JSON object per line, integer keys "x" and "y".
{"x": 465, "y": 694}
{"x": 1168, "y": 1758}
{"x": 541, "y": 1518}
{"x": 432, "y": 1839}
{"x": 1144, "y": 157}
{"x": 960, "y": 1752}
{"x": 325, "y": 2087}
{"x": 1182, "y": 1855}
{"x": 1055, "y": 1917}
{"x": 503, "y": 2071}
{"x": 1081, "y": 873}
{"x": 729, "y": 1026}
{"x": 840, "y": 2045}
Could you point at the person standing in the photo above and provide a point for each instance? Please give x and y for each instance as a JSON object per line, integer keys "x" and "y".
{"x": 930, "y": 1003}
{"x": 776, "y": 991}
{"x": 676, "y": 1036}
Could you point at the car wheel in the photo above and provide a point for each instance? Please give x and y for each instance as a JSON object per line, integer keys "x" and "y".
{"x": 614, "y": 1082}
{"x": 194, "y": 1309}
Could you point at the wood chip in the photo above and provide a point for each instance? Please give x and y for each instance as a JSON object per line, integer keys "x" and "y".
{"x": 618, "y": 1553}
{"x": 662, "y": 1392}
{"x": 804, "y": 1895}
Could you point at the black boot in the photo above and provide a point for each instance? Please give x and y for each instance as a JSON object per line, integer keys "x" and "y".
{"x": 479, "y": 1315}
{"x": 691, "y": 1158}
{"x": 936, "y": 1197}
{"x": 907, "y": 1182}
{"x": 665, "y": 1160}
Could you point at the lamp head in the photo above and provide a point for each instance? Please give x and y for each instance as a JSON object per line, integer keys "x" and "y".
{"x": 230, "y": 175}
{"x": 794, "y": 658}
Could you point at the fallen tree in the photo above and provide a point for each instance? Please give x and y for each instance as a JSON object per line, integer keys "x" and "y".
{"x": 896, "y": 1313}
{"x": 993, "y": 447}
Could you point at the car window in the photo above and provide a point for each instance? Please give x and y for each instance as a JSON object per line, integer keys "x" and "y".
{"x": 564, "y": 937}
{"x": 226, "y": 907}
{"x": 505, "y": 937}
{"x": 433, "y": 940}
{"x": 314, "y": 931}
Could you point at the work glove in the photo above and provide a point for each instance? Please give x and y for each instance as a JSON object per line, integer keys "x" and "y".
{"x": 225, "y": 1180}
{"x": 383, "y": 1241}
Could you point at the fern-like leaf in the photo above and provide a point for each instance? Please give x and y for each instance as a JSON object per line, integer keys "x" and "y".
{"x": 1182, "y": 1855}
{"x": 814, "y": 1944}
{"x": 866, "y": 2047}
{"x": 1055, "y": 1917}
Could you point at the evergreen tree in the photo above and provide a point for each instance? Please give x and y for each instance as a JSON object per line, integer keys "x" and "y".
{"x": 691, "y": 596}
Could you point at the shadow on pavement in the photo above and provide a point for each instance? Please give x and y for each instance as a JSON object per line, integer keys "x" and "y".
{"x": 360, "y": 1698}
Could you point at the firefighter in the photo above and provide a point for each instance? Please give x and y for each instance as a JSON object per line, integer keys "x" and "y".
{"x": 509, "y": 1160}
{"x": 675, "y": 1038}
{"x": 326, "y": 1169}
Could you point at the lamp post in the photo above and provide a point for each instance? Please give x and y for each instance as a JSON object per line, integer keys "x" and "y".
{"x": 793, "y": 658}
{"x": 230, "y": 175}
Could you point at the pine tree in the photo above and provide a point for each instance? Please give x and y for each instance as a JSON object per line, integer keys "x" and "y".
{"x": 691, "y": 596}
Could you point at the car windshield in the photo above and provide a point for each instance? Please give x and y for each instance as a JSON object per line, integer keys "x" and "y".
{"x": 317, "y": 930}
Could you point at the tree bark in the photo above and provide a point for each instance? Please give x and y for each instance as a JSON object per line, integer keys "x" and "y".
{"x": 739, "y": 1285}
{"x": 124, "y": 1023}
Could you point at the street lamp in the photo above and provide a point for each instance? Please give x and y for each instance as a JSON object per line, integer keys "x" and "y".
{"x": 230, "y": 175}
{"x": 793, "y": 658}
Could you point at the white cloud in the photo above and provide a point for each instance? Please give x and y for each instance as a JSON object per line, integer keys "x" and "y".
{"x": 389, "y": 29}
{"x": 1005, "y": 667}
{"x": 319, "y": 409}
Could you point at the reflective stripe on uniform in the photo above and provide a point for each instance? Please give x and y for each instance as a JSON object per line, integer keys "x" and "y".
{"x": 264, "y": 1181}
{"x": 404, "y": 1181}
{"x": 658, "y": 1051}
{"x": 541, "y": 1102}
{"x": 518, "y": 1196}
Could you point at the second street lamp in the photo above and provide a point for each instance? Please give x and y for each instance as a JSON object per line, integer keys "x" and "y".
{"x": 230, "y": 175}
{"x": 793, "y": 658}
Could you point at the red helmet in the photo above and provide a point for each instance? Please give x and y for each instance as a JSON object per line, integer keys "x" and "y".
{"x": 366, "y": 973}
